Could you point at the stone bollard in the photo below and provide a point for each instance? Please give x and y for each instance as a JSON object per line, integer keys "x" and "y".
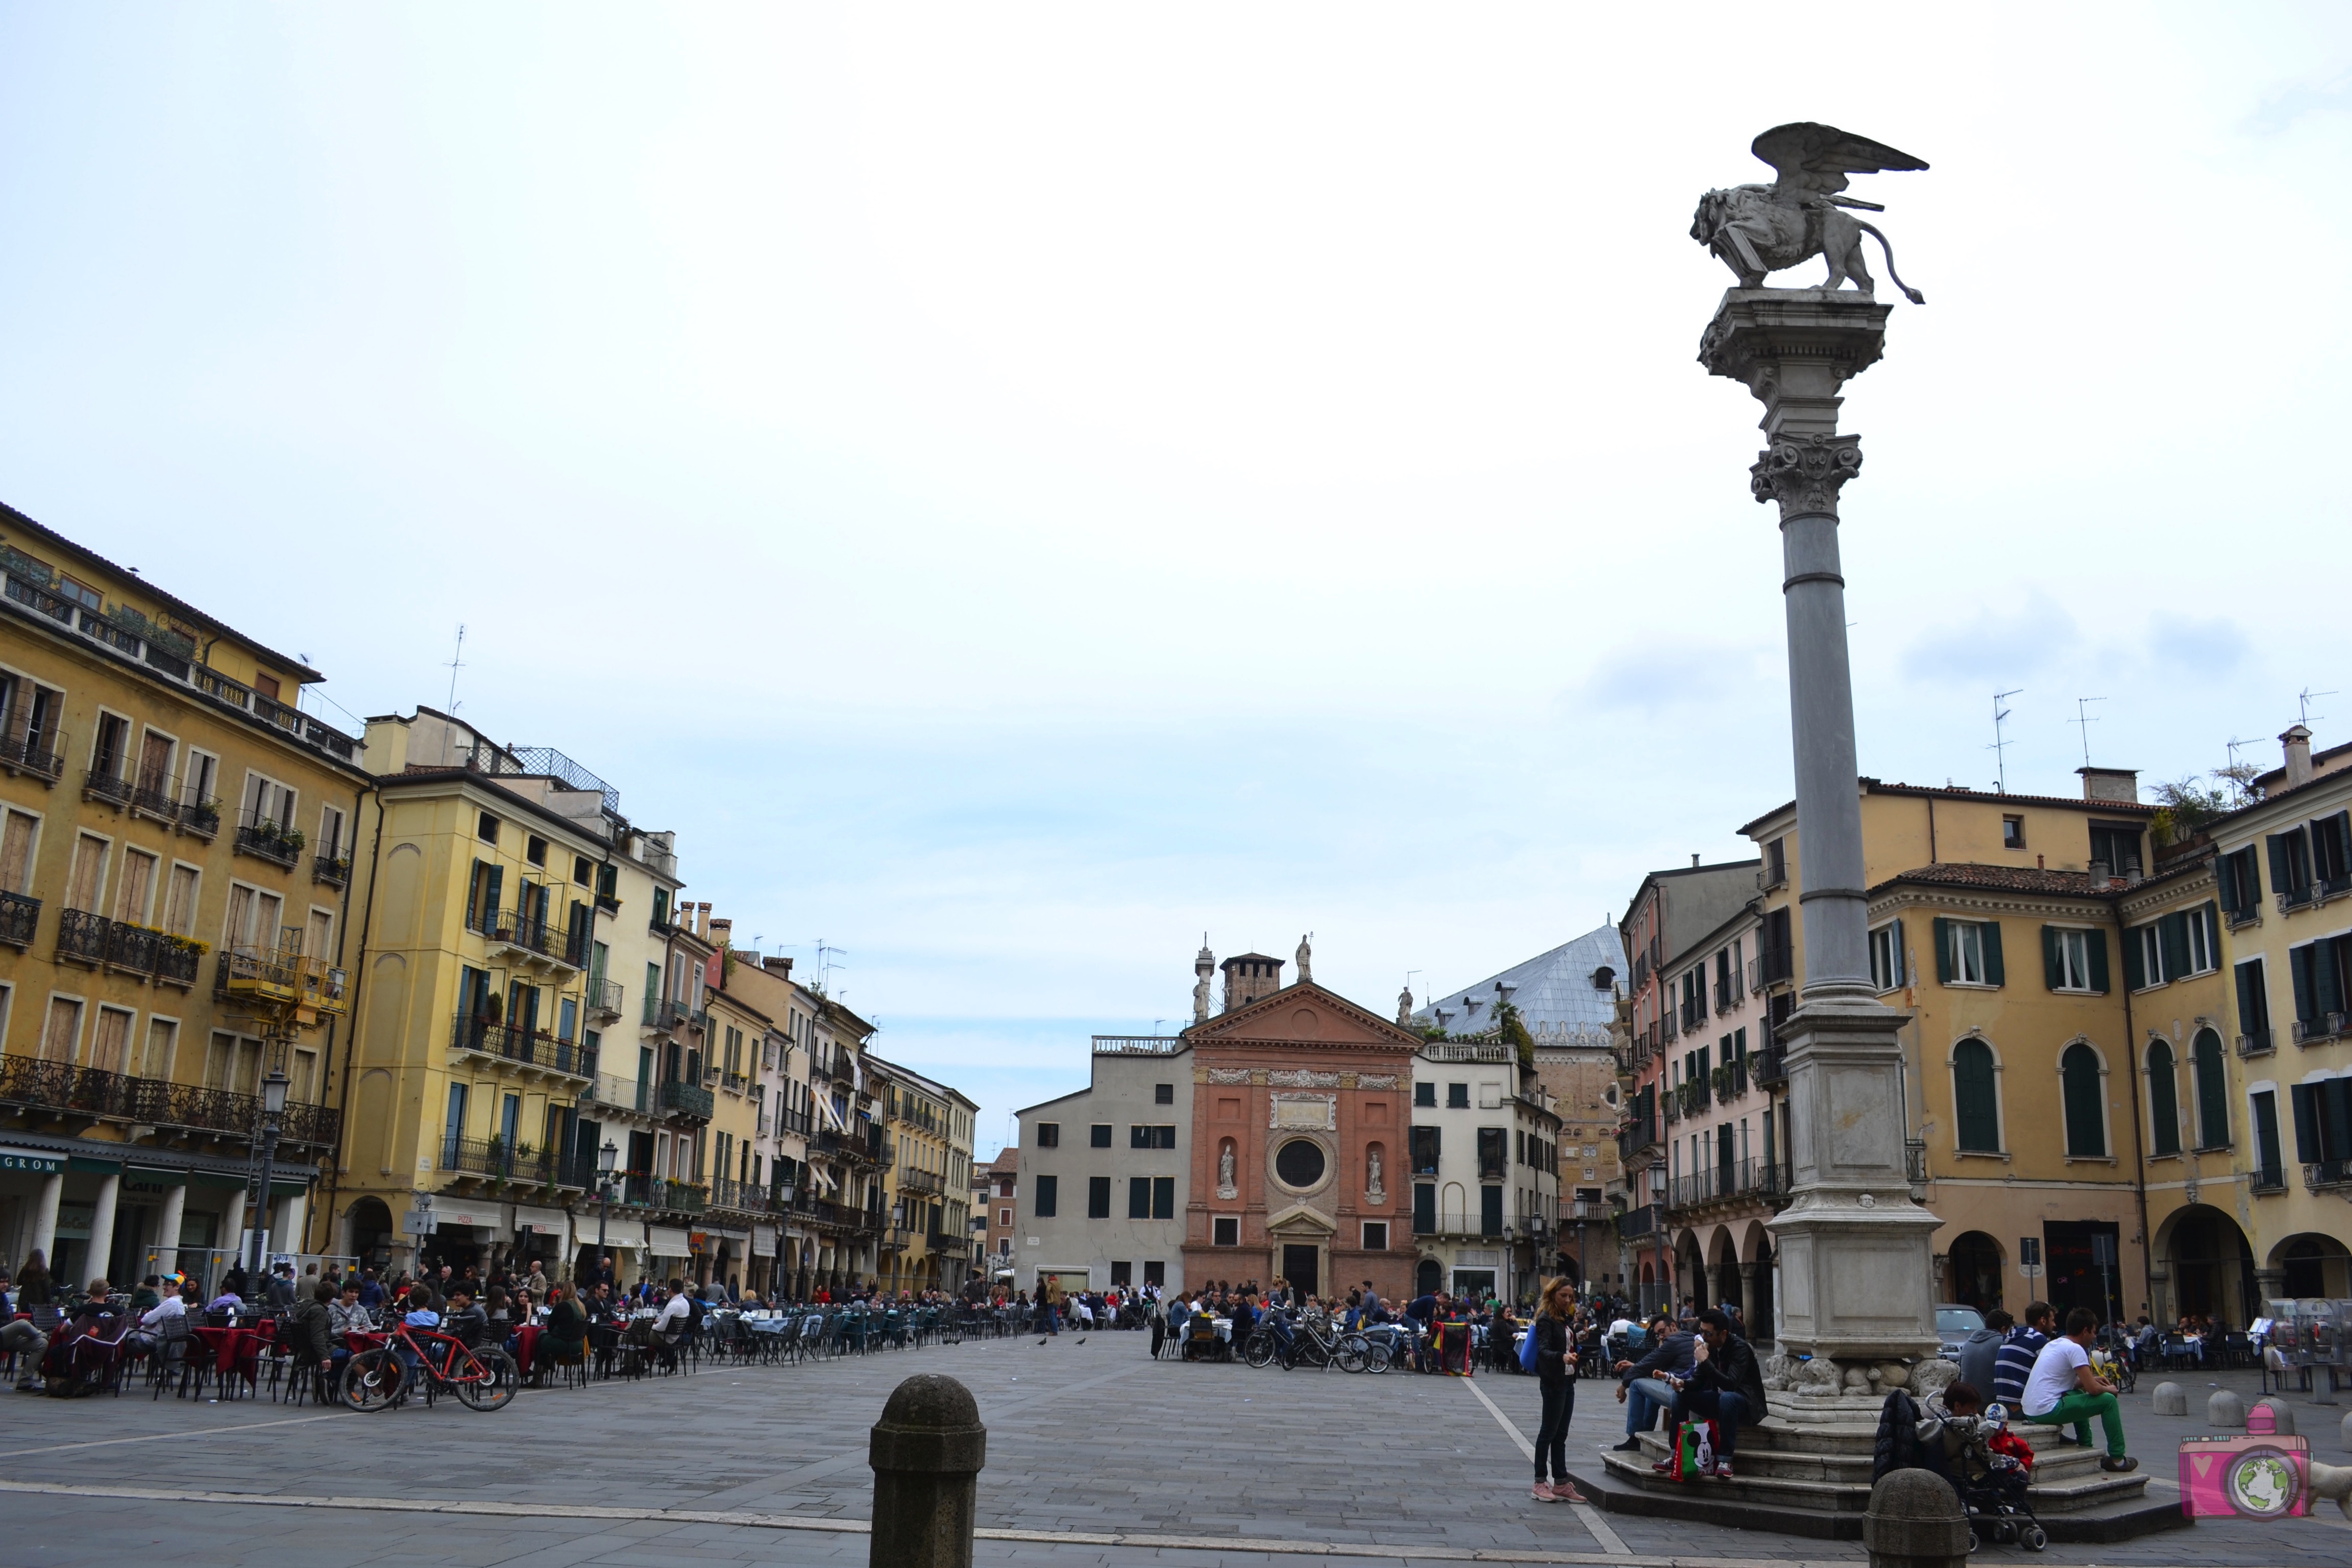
{"x": 1915, "y": 1522}
{"x": 2225, "y": 1409}
{"x": 2169, "y": 1399}
{"x": 926, "y": 1452}
{"x": 2282, "y": 1414}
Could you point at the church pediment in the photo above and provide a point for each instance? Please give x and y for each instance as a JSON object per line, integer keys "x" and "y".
{"x": 1305, "y": 1015}
{"x": 1300, "y": 1218}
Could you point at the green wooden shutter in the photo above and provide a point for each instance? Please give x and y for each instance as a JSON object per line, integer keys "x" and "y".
{"x": 2172, "y": 938}
{"x": 2249, "y": 879}
{"x": 2096, "y": 941}
{"x": 2212, "y": 1093}
{"x": 1994, "y": 974}
{"x": 2052, "y": 975}
{"x": 2163, "y": 1099}
{"x": 2078, "y": 1070}
{"x": 2325, "y": 980}
{"x": 2250, "y": 1001}
{"x": 2266, "y": 1140}
{"x": 2306, "y": 1125}
{"x": 2135, "y": 967}
{"x": 1975, "y": 1107}
{"x": 1943, "y": 950}
{"x": 2298, "y": 969}
{"x": 473, "y": 896}
{"x": 2334, "y": 1099}
{"x": 493, "y": 889}
{"x": 2277, "y": 845}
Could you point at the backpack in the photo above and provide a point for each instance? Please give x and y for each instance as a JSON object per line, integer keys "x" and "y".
{"x": 1896, "y": 1445}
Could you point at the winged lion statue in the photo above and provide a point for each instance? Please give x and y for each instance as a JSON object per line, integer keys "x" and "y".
{"x": 1760, "y": 229}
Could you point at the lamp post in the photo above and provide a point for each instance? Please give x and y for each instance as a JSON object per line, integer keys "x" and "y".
{"x": 606, "y": 1158}
{"x": 273, "y": 1108}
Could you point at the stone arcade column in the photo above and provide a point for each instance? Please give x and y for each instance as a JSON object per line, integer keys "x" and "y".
{"x": 1852, "y": 1245}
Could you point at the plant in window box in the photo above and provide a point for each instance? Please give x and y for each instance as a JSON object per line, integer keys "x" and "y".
{"x": 204, "y": 816}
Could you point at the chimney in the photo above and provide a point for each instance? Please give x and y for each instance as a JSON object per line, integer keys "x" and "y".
{"x": 2297, "y": 741}
{"x": 722, "y": 932}
{"x": 2111, "y": 783}
{"x": 1694, "y": 862}
{"x": 702, "y": 921}
{"x": 782, "y": 966}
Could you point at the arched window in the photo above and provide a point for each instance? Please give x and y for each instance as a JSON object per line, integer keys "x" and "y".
{"x": 2213, "y": 1092}
{"x": 2163, "y": 1098}
{"x": 1976, "y": 1107}
{"x": 2086, "y": 1129}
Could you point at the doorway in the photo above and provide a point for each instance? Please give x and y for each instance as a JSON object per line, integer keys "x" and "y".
{"x": 1299, "y": 1267}
{"x": 1429, "y": 1278}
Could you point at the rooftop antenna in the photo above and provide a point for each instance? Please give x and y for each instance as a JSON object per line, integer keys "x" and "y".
{"x": 2240, "y": 775}
{"x": 1999, "y": 747}
{"x": 2304, "y": 699}
{"x": 2083, "y": 720}
{"x": 824, "y": 961}
{"x": 456, "y": 663}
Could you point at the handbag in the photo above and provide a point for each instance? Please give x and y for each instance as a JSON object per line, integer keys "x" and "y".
{"x": 1528, "y": 1350}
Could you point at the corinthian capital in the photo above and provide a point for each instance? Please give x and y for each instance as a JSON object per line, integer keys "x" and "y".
{"x": 1803, "y": 473}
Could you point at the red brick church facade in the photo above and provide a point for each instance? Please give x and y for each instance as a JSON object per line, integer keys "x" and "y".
{"x": 1301, "y": 1106}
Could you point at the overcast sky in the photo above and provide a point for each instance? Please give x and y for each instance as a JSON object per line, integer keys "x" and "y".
{"x": 1017, "y": 487}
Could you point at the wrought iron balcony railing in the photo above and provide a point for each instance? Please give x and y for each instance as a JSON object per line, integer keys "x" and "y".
{"x": 271, "y": 841}
{"x": 335, "y": 871}
{"x": 604, "y": 999}
{"x": 741, "y": 1197}
{"x": 102, "y": 782}
{"x": 25, "y": 749}
{"x": 535, "y": 934}
{"x": 20, "y": 918}
{"x": 498, "y": 1161}
{"x": 57, "y": 1087}
{"x": 688, "y": 1100}
{"x": 200, "y": 817}
{"x": 525, "y": 1047}
{"x": 662, "y": 1014}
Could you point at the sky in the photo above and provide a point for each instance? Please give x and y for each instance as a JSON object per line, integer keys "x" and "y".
{"x": 1017, "y": 489}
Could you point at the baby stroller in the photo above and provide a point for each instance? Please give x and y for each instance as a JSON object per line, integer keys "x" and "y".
{"x": 1992, "y": 1483}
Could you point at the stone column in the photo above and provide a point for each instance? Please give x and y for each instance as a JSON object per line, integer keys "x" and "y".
{"x": 164, "y": 1254}
{"x": 294, "y": 1214}
{"x": 233, "y": 1227}
{"x": 1852, "y": 1245}
{"x": 45, "y": 1217}
{"x": 101, "y": 1228}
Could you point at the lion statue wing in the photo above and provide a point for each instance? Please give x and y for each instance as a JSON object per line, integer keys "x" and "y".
{"x": 1814, "y": 157}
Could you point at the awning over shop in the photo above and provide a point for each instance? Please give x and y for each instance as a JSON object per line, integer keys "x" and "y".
{"x": 155, "y": 1175}
{"x": 31, "y": 1162}
{"x": 545, "y": 1222}
{"x": 763, "y": 1239}
{"x": 668, "y": 1241}
{"x": 83, "y": 1163}
{"x": 487, "y": 1216}
{"x": 742, "y": 1237}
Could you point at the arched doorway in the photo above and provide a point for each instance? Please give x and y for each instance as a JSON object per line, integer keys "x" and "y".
{"x": 2314, "y": 1264}
{"x": 2212, "y": 1269}
{"x": 371, "y": 1227}
{"x": 1429, "y": 1279}
{"x": 1973, "y": 1271}
{"x": 1756, "y": 1251}
{"x": 1725, "y": 1273}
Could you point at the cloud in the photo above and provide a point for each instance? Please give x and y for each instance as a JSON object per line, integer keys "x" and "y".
{"x": 1996, "y": 646}
{"x": 2193, "y": 647}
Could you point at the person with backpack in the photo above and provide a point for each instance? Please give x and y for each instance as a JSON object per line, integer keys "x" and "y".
{"x": 1554, "y": 1363}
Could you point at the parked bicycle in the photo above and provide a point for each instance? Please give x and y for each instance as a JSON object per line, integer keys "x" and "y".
{"x": 484, "y": 1378}
{"x": 1316, "y": 1344}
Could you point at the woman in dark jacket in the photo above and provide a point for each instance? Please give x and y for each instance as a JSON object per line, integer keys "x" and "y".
{"x": 309, "y": 1338}
{"x": 567, "y": 1326}
{"x": 32, "y": 1287}
{"x": 1556, "y": 1360}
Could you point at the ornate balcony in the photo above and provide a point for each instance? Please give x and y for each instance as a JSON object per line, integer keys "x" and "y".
{"x": 530, "y": 938}
{"x": 688, "y": 1100}
{"x": 603, "y": 1000}
{"x": 495, "y": 1160}
{"x": 335, "y": 871}
{"x": 61, "y": 1088}
{"x": 101, "y": 783}
{"x": 271, "y": 841}
{"x": 81, "y": 937}
{"x": 524, "y": 1047}
{"x": 20, "y": 917}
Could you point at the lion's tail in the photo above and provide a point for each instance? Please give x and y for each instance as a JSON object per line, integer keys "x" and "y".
{"x": 1909, "y": 293}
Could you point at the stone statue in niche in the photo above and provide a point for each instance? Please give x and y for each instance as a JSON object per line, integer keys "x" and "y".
{"x": 1373, "y": 1190}
{"x": 1760, "y": 229}
{"x": 1225, "y": 1187}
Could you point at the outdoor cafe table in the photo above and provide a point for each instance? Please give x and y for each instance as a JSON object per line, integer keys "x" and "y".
{"x": 236, "y": 1350}
{"x": 526, "y": 1347}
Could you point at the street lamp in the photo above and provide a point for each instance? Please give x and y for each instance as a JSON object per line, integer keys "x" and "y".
{"x": 606, "y": 1158}
{"x": 273, "y": 1109}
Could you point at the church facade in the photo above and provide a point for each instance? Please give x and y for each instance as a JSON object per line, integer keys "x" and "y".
{"x": 1301, "y": 1119}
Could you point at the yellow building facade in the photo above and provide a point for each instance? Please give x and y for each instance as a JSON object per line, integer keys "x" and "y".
{"x": 926, "y": 1182}
{"x": 174, "y": 852}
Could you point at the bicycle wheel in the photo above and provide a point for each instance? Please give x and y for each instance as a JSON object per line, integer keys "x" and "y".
{"x": 372, "y": 1380}
{"x": 1376, "y": 1356}
{"x": 494, "y": 1387}
{"x": 1354, "y": 1353}
{"x": 1259, "y": 1350}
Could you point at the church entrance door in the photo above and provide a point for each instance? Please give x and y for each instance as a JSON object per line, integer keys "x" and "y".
{"x": 1298, "y": 1267}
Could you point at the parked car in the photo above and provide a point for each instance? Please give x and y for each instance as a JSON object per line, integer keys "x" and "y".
{"x": 1954, "y": 1323}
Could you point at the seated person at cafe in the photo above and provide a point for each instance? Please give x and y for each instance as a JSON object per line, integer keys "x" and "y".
{"x": 309, "y": 1334}
{"x": 671, "y": 1323}
{"x": 465, "y": 1319}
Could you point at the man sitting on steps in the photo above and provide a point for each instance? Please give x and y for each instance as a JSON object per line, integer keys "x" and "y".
{"x": 2064, "y": 1391}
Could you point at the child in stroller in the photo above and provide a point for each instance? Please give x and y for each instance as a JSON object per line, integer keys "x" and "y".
{"x": 1987, "y": 1465}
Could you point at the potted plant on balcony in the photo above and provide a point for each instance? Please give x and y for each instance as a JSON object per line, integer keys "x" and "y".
{"x": 203, "y": 817}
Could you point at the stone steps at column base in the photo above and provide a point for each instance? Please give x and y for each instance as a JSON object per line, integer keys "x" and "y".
{"x": 1844, "y": 1457}
{"x": 1624, "y": 1483}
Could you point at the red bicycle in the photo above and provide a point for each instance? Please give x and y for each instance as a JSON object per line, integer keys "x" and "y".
{"x": 378, "y": 1379}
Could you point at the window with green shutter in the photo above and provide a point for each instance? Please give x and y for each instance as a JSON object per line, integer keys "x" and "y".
{"x": 1968, "y": 953}
{"x": 2074, "y": 960}
{"x": 2253, "y": 1006}
{"x": 2086, "y": 1128}
{"x": 2163, "y": 1099}
{"x": 2213, "y": 1092}
{"x": 1976, "y": 1108}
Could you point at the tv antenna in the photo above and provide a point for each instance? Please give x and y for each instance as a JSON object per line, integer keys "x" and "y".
{"x": 1999, "y": 747}
{"x": 2083, "y": 720}
{"x": 456, "y": 663}
{"x": 2303, "y": 700}
{"x": 2240, "y": 775}
{"x": 824, "y": 963}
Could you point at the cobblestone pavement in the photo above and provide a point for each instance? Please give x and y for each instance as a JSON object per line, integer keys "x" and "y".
{"x": 1095, "y": 1455}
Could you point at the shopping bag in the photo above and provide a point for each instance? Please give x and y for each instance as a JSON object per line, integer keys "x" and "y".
{"x": 1528, "y": 1350}
{"x": 1694, "y": 1450}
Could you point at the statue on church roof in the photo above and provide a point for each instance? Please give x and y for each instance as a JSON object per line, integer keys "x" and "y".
{"x": 1305, "y": 956}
